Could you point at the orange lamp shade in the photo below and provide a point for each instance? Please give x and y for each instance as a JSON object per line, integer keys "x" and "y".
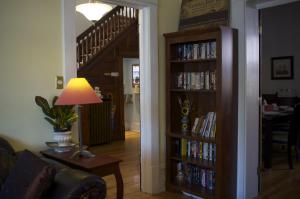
{"x": 78, "y": 91}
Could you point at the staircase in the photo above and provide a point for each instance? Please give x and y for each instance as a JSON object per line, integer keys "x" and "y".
{"x": 96, "y": 39}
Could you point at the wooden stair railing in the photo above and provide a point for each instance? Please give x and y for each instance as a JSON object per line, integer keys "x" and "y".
{"x": 96, "y": 38}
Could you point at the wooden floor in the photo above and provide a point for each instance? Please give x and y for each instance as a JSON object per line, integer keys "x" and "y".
{"x": 278, "y": 183}
{"x": 128, "y": 151}
{"x": 281, "y": 182}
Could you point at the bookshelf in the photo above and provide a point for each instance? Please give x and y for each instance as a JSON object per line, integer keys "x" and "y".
{"x": 201, "y": 112}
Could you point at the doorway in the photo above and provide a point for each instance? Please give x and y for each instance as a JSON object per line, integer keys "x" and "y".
{"x": 279, "y": 84}
{"x": 105, "y": 52}
{"x": 152, "y": 180}
{"x": 131, "y": 82}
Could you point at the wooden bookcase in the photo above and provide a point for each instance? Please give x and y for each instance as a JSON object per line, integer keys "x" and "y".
{"x": 186, "y": 61}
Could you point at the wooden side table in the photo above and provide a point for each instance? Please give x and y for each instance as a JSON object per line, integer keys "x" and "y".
{"x": 99, "y": 165}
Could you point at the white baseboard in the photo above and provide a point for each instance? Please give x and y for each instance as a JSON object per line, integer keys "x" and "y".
{"x": 162, "y": 174}
{"x": 133, "y": 126}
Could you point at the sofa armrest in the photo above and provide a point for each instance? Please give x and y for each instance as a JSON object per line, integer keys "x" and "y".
{"x": 75, "y": 184}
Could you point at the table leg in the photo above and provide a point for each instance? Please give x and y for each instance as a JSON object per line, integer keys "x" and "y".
{"x": 119, "y": 180}
{"x": 268, "y": 144}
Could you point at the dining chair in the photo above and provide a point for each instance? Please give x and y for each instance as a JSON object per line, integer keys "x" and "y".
{"x": 287, "y": 132}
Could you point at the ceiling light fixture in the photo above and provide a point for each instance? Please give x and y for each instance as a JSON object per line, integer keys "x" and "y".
{"x": 93, "y": 10}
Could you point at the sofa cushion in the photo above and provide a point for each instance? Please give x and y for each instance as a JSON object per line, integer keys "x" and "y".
{"x": 7, "y": 161}
{"x": 30, "y": 178}
{"x": 5, "y": 145}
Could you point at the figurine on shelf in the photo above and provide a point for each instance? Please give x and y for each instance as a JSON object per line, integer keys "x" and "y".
{"x": 180, "y": 174}
{"x": 185, "y": 105}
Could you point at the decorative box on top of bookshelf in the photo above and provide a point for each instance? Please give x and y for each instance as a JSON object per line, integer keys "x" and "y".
{"x": 201, "y": 107}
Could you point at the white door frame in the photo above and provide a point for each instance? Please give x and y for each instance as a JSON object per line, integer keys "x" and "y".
{"x": 150, "y": 161}
{"x": 245, "y": 17}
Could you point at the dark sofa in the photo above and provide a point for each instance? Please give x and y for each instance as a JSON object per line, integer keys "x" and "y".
{"x": 68, "y": 183}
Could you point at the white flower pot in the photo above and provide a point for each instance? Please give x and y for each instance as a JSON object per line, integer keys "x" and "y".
{"x": 62, "y": 138}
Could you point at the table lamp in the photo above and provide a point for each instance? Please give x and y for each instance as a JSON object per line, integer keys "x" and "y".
{"x": 78, "y": 92}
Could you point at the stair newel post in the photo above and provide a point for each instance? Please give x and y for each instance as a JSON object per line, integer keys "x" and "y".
{"x": 86, "y": 48}
{"x": 128, "y": 17}
{"x": 114, "y": 25}
{"x": 96, "y": 37}
{"x": 125, "y": 16}
{"x": 107, "y": 28}
{"x": 102, "y": 36}
{"x": 129, "y": 13}
{"x": 91, "y": 43}
{"x": 81, "y": 51}
{"x": 77, "y": 52}
{"x": 99, "y": 36}
{"x": 104, "y": 31}
{"x": 110, "y": 25}
{"x": 118, "y": 21}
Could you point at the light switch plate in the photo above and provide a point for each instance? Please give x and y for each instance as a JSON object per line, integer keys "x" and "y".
{"x": 59, "y": 82}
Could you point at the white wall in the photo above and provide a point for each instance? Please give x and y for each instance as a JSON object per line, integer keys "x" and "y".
{"x": 131, "y": 110}
{"x": 31, "y": 57}
{"x": 280, "y": 37}
{"x": 81, "y": 23}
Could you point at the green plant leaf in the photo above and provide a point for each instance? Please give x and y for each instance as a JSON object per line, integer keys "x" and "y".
{"x": 73, "y": 119}
{"x": 54, "y": 100}
{"x": 61, "y": 117}
{"x": 43, "y": 103}
{"x": 51, "y": 121}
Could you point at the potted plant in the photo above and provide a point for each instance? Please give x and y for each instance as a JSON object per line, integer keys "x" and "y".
{"x": 60, "y": 117}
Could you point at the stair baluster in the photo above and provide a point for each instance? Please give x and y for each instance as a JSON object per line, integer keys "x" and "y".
{"x": 96, "y": 38}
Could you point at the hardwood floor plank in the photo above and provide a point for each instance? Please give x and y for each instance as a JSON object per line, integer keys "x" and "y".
{"x": 129, "y": 152}
{"x": 281, "y": 182}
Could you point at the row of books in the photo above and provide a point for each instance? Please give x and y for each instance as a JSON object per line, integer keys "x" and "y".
{"x": 205, "y": 126}
{"x": 195, "y": 150}
{"x": 197, "y": 176}
{"x": 196, "y": 80}
{"x": 196, "y": 51}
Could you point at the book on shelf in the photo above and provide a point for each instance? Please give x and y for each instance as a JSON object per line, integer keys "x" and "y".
{"x": 205, "y": 126}
{"x": 183, "y": 147}
{"x": 196, "y": 150}
{"x": 195, "y": 125}
{"x": 194, "y": 175}
{"x": 197, "y": 51}
{"x": 196, "y": 80}
{"x": 212, "y": 78}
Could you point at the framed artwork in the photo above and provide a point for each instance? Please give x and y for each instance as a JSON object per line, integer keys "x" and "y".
{"x": 135, "y": 75}
{"x": 282, "y": 68}
{"x": 203, "y": 13}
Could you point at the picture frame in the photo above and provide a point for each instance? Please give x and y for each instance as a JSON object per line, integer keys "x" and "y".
{"x": 135, "y": 75}
{"x": 203, "y": 14}
{"x": 282, "y": 68}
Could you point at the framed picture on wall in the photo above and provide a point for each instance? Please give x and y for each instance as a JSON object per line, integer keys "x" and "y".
{"x": 282, "y": 68}
{"x": 135, "y": 75}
